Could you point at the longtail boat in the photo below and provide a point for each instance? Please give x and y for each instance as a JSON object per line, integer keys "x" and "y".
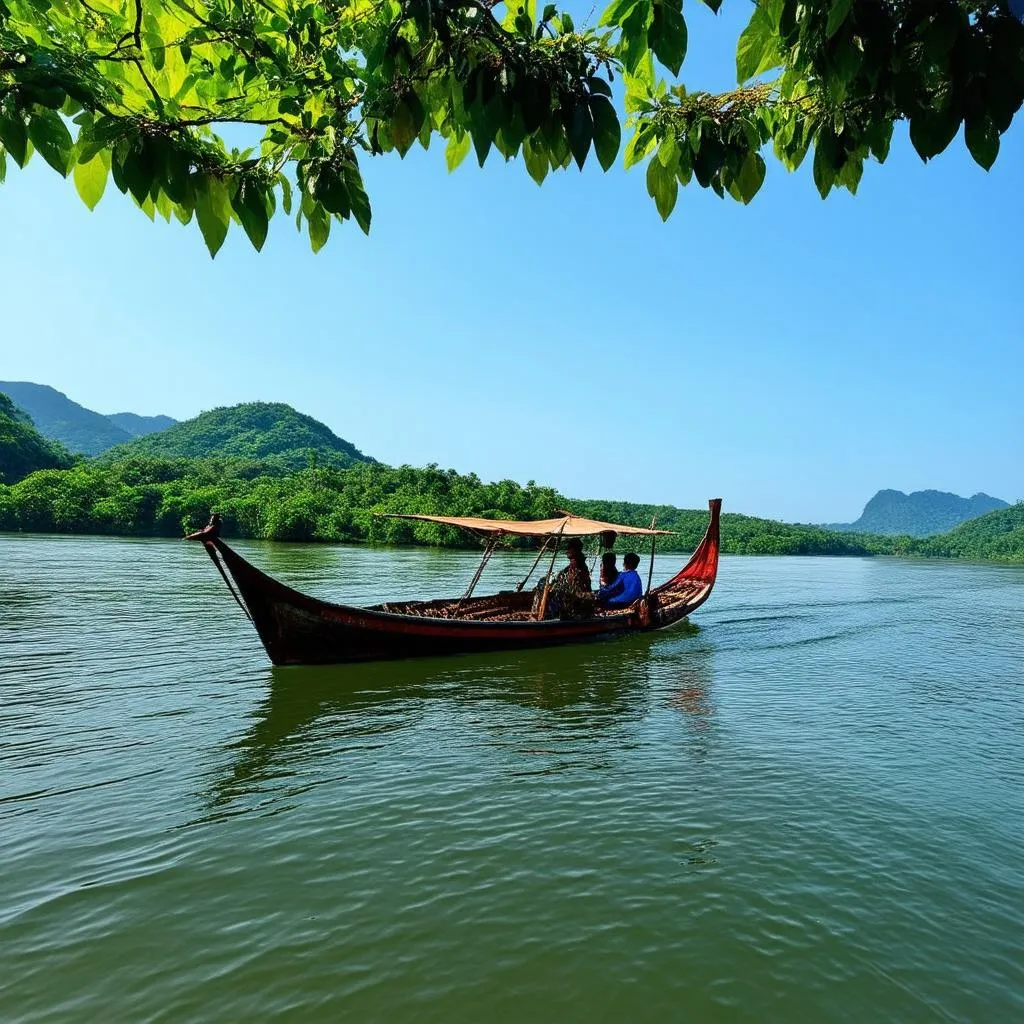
{"x": 296, "y": 629}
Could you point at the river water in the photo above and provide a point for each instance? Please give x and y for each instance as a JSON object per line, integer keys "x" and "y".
{"x": 806, "y": 805}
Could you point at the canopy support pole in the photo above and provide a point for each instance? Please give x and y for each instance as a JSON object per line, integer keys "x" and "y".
{"x": 533, "y": 568}
{"x": 488, "y": 551}
{"x": 541, "y": 611}
{"x": 650, "y": 569}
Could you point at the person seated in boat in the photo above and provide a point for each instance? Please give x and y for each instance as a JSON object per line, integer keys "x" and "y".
{"x": 626, "y": 588}
{"x": 609, "y": 570}
{"x": 570, "y": 596}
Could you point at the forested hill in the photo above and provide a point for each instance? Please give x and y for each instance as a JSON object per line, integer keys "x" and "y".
{"x": 918, "y": 514}
{"x": 998, "y": 535}
{"x": 23, "y": 449}
{"x": 269, "y": 432}
{"x": 81, "y": 430}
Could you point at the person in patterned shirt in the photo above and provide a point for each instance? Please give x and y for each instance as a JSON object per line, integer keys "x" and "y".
{"x": 570, "y": 596}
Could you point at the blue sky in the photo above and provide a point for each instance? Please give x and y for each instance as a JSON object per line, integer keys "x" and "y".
{"x": 792, "y": 356}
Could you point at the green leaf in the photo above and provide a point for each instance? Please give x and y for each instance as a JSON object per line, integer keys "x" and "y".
{"x": 639, "y": 145}
{"x": 358, "y": 197}
{"x": 331, "y": 193}
{"x": 482, "y": 139}
{"x": 484, "y": 125}
{"x": 751, "y": 176}
{"x": 536, "y": 159}
{"x": 14, "y": 136}
{"x": 616, "y": 12}
{"x": 607, "y": 131}
{"x": 758, "y": 47}
{"x": 982, "y": 140}
{"x": 931, "y": 131}
{"x": 684, "y": 164}
{"x": 456, "y": 150}
{"x": 667, "y": 36}
{"x": 708, "y": 160}
{"x": 250, "y": 204}
{"x": 213, "y": 210}
{"x": 824, "y": 172}
{"x": 879, "y": 136}
{"x": 555, "y": 143}
{"x": 3, "y": 165}
{"x": 662, "y": 187}
{"x": 319, "y": 225}
{"x": 581, "y": 132}
{"x": 175, "y": 180}
{"x": 668, "y": 152}
{"x": 633, "y": 46}
{"x": 50, "y": 135}
{"x": 157, "y": 52}
{"x": 407, "y": 122}
{"x": 163, "y": 206}
{"x": 849, "y": 177}
{"x": 138, "y": 172}
{"x": 91, "y": 178}
{"x": 837, "y": 14}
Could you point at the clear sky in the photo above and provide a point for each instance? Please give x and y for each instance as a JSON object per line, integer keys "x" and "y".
{"x": 792, "y": 356}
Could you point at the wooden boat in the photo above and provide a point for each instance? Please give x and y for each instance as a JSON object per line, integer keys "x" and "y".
{"x": 296, "y": 629}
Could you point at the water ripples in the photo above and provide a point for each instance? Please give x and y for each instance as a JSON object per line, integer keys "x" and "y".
{"x": 805, "y": 806}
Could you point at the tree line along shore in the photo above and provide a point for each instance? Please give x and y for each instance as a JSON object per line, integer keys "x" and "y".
{"x": 142, "y": 496}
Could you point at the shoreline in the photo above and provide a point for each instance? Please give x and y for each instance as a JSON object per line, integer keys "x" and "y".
{"x": 414, "y": 546}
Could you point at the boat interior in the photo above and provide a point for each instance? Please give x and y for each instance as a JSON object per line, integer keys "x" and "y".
{"x": 519, "y": 606}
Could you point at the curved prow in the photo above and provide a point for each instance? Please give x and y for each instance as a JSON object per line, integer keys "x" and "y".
{"x": 702, "y": 568}
{"x": 211, "y": 531}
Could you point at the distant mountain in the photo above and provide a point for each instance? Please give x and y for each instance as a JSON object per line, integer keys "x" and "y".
{"x": 257, "y": 431}
{"x": 140, "y": 426}
{"x": 918, "y": 514}
{"x": 998, "y": 534}
{"x": 23, "y": 449}
{"x": 60, "y": 419}
{"x": 81, "y": 430}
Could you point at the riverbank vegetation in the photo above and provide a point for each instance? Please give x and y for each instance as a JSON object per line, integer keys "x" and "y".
{"x": 142, "y": 496}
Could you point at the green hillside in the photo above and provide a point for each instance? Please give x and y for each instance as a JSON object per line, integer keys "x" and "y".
{"x": 139, "y": 426}
{"x": 254, "y": 431}
{"x": 998, "y": 535}
{"x": 58, "y": 418}
{"x": 23, "y": 449}
{"x": 918, "y": 514}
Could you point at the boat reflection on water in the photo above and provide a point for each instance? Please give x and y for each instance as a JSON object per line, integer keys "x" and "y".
{"x": 581, "y": 694}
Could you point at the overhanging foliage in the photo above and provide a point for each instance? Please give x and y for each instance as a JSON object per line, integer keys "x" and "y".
{"x": 141, "y": 92}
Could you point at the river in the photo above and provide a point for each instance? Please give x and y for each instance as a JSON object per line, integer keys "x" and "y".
{"x": 808, "y": 804}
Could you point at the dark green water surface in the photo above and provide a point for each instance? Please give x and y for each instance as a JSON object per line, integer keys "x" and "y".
{"x": 807, "y": 806}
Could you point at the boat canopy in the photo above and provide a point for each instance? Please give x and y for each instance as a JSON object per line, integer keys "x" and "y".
{"x": 565, "y": 526}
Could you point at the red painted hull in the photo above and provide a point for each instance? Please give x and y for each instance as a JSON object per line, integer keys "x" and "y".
{"x": 296, "y": 629}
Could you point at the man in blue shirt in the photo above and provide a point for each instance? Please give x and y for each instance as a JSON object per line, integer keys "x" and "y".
{"x": 626, "y": 589}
